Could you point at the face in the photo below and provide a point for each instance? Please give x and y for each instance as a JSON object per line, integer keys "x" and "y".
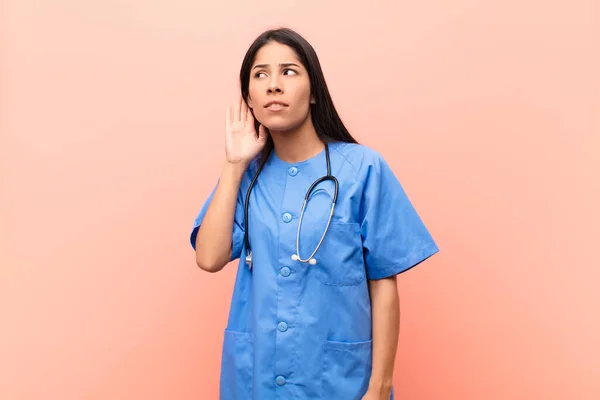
{"x": 279, "y": 88}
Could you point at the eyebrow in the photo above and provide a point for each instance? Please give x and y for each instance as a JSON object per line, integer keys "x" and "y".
{"x": 286, "y": 64}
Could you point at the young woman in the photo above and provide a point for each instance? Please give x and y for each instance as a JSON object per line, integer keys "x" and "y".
{"x": 315, "y": 310}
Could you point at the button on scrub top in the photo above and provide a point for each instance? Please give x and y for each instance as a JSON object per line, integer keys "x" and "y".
{"x": 302, "y": 331}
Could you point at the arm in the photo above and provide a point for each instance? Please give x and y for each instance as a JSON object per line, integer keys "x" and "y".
{"x": 395, "y": 239}
{"x": 214, "y": 240}
{"x": 385, "y": 306}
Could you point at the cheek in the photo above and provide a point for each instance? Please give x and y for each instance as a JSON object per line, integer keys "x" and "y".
{"x": 301, "y": 91}
{"x": 302, "y": 101}
{"x": 259, "y": 115}
{"x": 258, "y": 111}
{"x": 253, "y": 99}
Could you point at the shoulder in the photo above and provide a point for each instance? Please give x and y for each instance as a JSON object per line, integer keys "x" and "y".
{"x": 362, "y": 159}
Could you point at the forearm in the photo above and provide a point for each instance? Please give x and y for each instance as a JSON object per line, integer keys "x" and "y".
{"x": 385, "y": 306}
{"x": 213, "y": 242}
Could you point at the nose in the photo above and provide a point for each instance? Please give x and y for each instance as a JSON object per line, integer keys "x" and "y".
{"x": 274, "y": 85}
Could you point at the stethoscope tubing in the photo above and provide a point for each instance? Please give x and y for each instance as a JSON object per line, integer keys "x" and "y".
{"x": 296, "y": 256}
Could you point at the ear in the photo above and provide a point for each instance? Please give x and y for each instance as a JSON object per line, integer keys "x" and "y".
{"x": 312, "y": 100}
{"x": 249, "y": 102}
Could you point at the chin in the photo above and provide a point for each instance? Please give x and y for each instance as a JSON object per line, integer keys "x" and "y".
{"x": 280, "y": 127}
{"x": 278, "y": 124}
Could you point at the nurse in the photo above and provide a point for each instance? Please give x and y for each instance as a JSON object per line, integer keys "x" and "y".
{"x": 304, "y": 326}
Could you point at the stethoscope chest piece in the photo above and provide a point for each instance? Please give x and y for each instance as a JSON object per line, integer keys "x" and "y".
{"x": 249, "y": 260}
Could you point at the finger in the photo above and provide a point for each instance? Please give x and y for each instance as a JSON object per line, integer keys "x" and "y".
{"x": 244, "y": 112}
{"x": 228, "y": 117}
{"x": 262, "y": 133}
{"x": 236, "y": 111}
{"x": 249, "y": 116}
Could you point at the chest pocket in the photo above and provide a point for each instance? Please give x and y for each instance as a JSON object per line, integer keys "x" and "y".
{"x": 340, "y": 258}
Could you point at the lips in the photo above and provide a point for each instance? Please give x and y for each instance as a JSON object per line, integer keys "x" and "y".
{"x": 275, "y": 105}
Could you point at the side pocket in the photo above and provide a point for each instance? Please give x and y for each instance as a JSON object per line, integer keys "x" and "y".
{"x": 237, "y": 366}
{"x": 346, "y": 369}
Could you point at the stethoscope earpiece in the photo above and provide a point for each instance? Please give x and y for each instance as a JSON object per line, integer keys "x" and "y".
{"x": 312, "y": 261}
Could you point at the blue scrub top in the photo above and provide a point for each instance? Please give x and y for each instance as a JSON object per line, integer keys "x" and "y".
{"x": 301, "y": 331}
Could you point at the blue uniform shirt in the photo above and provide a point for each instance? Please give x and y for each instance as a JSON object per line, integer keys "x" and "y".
{"x": 302, "y": 331}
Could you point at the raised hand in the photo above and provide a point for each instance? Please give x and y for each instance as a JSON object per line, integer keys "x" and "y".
{"x": 242, "y": 143}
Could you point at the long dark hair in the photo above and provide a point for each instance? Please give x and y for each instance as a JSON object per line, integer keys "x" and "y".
{"x": 327, "y": 122}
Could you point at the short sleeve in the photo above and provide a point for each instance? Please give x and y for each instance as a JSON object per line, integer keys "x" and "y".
{"x": 394, "y": 237}
{"x": 237, "y": 241}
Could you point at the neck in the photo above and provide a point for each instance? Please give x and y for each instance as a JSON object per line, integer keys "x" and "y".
{"x": 298, "y": 144}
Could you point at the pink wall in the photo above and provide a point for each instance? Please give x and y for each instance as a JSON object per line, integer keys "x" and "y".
{"x": 112, "y": 136}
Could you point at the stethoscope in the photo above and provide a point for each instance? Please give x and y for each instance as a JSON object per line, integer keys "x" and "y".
{"x": 296, "y": 257}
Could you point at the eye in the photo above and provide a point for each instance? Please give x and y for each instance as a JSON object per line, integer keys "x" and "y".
{"x": 290, "y": 70}
{"x": 258, "y": 74}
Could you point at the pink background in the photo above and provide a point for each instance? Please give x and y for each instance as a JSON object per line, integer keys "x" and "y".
{"x": 112, "y": 137}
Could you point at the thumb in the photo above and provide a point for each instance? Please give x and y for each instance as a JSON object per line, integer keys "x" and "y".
{"x": 262, "y": 133}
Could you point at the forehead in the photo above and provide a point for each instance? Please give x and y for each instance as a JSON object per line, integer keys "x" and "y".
{"x": 274, "y": 53}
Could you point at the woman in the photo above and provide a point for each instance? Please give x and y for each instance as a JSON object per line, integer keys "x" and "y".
{"x": 305, "y": 324}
